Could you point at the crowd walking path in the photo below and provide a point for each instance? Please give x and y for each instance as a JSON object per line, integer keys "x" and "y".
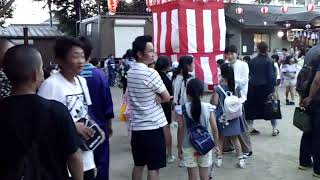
{"x": 274, "y": 158}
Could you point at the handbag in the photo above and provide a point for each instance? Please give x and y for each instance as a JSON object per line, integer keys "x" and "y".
{"x": 199, "y": 136}
{"x": 272, "y": 109}
{"x": 99, "y": 135}
{"x": 302, "y": 120}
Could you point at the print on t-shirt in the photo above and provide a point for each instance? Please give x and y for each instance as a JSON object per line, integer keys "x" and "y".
{"x": 77, "y": 106}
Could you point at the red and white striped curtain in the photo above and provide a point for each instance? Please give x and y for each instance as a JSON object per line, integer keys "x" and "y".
{"x": 194, "y": 28}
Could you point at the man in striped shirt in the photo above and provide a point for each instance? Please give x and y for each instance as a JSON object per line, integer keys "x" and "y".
{"x": 146, "y": 92}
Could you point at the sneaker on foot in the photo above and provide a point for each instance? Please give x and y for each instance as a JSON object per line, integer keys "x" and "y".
{"x": 304, "y": 168}
{"x": 276, "y": 132}
{"x": 219, "y": 162}
{"x": 181, "y": 163}
{"x": 171, "y": 159}
{"x": 316, "y": 175}
{"x": 254, "y": 132}
{"x": 242, "y": 163}
{"x": 291, "y": 103}
{"x": 228, "y": 151}
{"x": 247, "y": 155}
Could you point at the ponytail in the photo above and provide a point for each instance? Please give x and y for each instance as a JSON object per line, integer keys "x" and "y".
{"x": 184, "y": 62}
{"x": 195, "y": 91}
{"x": 228, "y": 74}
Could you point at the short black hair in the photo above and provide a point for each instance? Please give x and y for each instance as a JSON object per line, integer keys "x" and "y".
{"x": 139, "y": 45}
{"x": 263, "y": 47}
{"x": 276, "y": 57}
{"x": 246, "y": 58}
{"x": 20, "y": 62}
{"x": 220, "y": 61}
{"x": 87, "y": 46}
{"x": 163, "y": 63}
{"x": 65, "y": 44}
{"x": 231, "y": 49}
{"x": 284, "y": 49}
{"x": 94, "y": 61}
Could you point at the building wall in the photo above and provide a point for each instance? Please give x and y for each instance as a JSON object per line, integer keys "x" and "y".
{"x": 278, "y": 43}
{"x": 46, "y": 48}
{"x": 235, "y": 33}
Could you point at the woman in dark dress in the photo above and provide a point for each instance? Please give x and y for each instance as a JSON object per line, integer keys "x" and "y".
{"x": 162, "y": 66}
{"x": 262, "y": 81}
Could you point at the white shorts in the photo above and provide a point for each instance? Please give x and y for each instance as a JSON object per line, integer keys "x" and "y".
{"x": 289, "y": 82}
{"x": 191, "y": 160}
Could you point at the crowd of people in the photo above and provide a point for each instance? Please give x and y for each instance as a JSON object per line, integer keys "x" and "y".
{"x": 45, "y": 119}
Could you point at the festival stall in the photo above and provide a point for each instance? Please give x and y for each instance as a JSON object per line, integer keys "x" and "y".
{"x": 186, "y": 27}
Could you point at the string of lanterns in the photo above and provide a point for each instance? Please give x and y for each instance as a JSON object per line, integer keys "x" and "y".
{"x": 265, "y": 10}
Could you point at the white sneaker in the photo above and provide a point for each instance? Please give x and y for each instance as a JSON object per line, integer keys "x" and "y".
{"x": 219, "y": 162}
{"x": 242, "y": 163}
{"x": 171, "y": 159}
{"x": 181, "y": 163}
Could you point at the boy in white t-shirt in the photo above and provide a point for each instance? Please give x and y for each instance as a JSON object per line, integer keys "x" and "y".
{"x": 71, "y": 90}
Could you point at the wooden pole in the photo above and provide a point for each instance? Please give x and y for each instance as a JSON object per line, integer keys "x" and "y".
{"x": 25, "y": 35}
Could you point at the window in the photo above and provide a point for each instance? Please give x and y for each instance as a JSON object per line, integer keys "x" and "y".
{"x": 261, "y": 38}
{"x": 89, "y": 29}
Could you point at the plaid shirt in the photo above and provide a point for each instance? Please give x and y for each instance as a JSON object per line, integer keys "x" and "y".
{"x": 5, "y": 87}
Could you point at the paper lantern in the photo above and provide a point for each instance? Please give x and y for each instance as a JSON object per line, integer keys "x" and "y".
{"x": 264, "y": 10}
{"x": 284, "y": 9}
{"x": 239, "y": 10}
{"x": 311, "y": 7}
{"x": 112, "y": 6}
{"x": 241, "y": 20}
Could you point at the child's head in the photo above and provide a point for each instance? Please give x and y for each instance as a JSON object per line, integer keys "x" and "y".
{"x": 246, "y": 59}
{"x": 230, "y": 53}
{"x": 185, "y": 66}
{"x": 289, "y": 60}
{"x": 195, "y": 91}
{"x": 143, "y": 49}
{"x": 70, "y": 54}
{"x": 227, "y": 74}
{"x": 162, "y": 64}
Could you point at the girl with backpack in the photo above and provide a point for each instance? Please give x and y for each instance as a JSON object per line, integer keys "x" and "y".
{"x": 180, "y": 80}
{"x": 229, "y": 129}
{"x": 198, "y": 113}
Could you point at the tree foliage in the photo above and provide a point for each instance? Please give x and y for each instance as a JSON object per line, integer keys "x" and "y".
{"x": 6, "y": 10}
{"x": 68, "y": 11}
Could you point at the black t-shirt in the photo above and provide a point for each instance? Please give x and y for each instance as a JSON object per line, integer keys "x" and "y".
{"x": 28, "y": 117}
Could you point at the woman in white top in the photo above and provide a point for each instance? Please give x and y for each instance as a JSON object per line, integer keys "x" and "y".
{"x": 275, "y": 59}
{"x": 181, "y": 78}
{"x": 289, "y": 71}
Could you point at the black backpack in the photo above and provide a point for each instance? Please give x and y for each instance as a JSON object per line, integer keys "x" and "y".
{"x": 308, "y": 71}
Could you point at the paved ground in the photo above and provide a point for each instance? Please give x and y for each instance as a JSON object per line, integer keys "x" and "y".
{"x": 275, "y": 158}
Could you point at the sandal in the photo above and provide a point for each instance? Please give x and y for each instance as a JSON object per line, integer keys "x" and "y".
{"x": 276, "y": 133}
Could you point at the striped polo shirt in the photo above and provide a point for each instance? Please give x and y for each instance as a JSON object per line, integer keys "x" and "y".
{"x": 143, "y": 86}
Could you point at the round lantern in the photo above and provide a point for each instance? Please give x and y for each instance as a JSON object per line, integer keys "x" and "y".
{"x": 112, "y": 6}
{"x": 287, "y": 25}
{"x": 311, "y": 7}
{"x": 284, "y": 9}
{"x": 241, "y": 20}
{"x": 308, "y": 26}
{"x": 239, "y": 10}
{"x": 264, "y": 10}
{"x": 265, "y": 23}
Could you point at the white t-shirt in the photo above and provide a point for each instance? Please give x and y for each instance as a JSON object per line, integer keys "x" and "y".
{"x": 56, "y": 87}
{"x": 206, "y": 109}
{"x": 180, "y": 90}
{"x": 276, "y": 66}
{"x": 241, "y": 76}
{"x": 143, "y": 86}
